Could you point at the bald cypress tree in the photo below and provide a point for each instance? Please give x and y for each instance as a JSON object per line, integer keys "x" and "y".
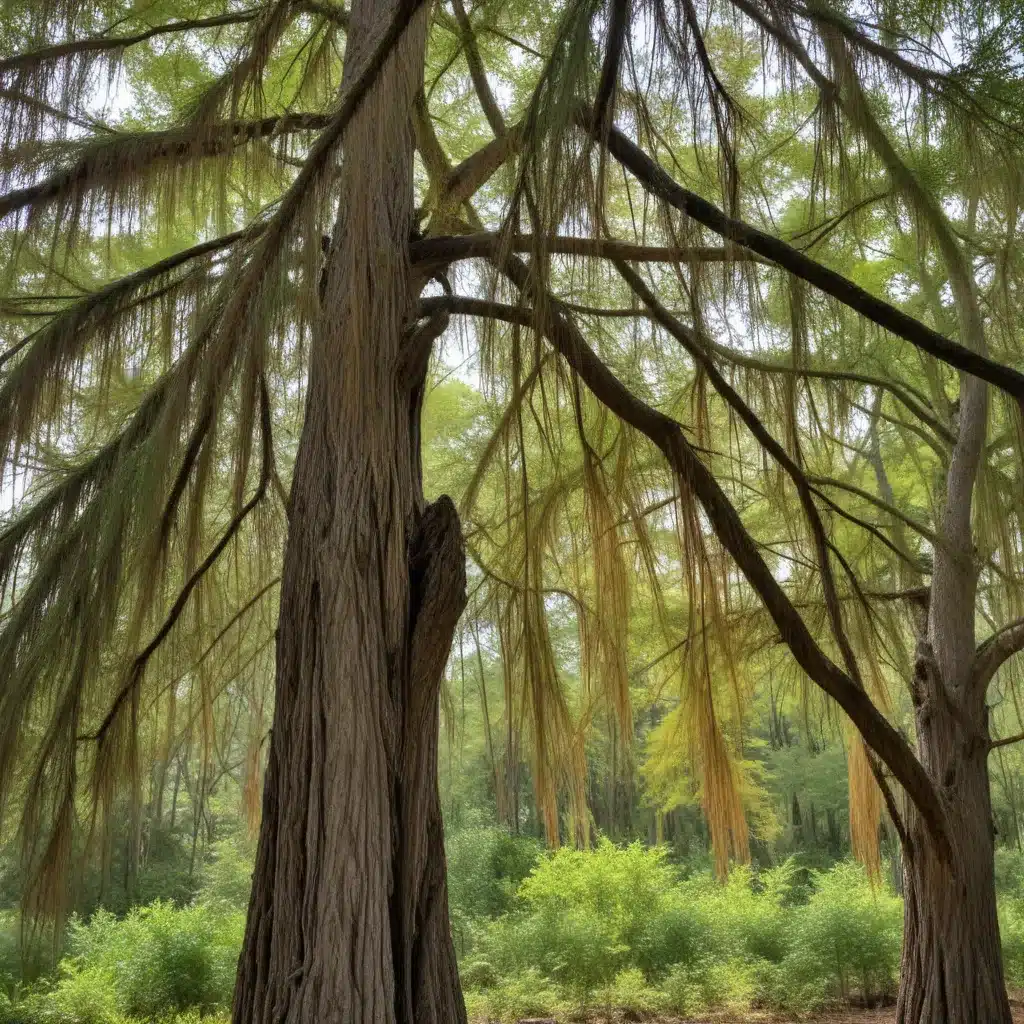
{"x": 299, "y": 175}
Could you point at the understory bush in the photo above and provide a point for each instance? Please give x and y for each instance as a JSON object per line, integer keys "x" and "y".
{"x": 615, "y": 929}
{"x": 156, "y": 962}
{"x": 621, "y": 928}
{"x": 485, "y": 867}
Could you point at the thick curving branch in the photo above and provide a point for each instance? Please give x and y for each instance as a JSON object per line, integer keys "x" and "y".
{"x": 667, "y": 434}
{"x": 444, "y": 249}
{"x": 914, "y": 401}
{"x": 996, "y": 651}
{"x": 660, "y": 184}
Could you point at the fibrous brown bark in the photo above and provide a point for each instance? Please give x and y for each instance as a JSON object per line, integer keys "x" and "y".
{"x": 952, "y": 967}
{"x": 348, "y": 920}
{"x": 952, "y": 960}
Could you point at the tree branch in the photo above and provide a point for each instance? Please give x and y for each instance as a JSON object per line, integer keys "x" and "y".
{"x": 99, "y": 158}
{"x": 618, "y": 25}
{"x": 994, "y": 652}
{"x": 668, "y": 436}
{"x": 99, "y": 44}
{"x": 444, "y": 249}
{"x": 1005, "y": 741}
{"x": 89, "y": 124}
{"x": 138, "y": 666}
{"x": 477, "y": 72}
{"x": 877, "y": 310}
{"x": 699, "y": 351}
{"x": 466, "y": 177}
{"x": 913, "y": 400}
{"x": 873, "y": 499}
{"x": 106, "y": 44}
{"x": 119, "y": 289}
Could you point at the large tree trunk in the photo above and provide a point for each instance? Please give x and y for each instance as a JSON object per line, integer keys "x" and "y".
{"x": 952, "y": 960}
{"x": 952, "y": 967}
{"x": 348, "y": 920}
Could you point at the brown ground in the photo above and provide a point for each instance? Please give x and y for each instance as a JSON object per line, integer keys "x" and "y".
{"x": 885, "y": 1016}
{"x": 882, "y": 1016}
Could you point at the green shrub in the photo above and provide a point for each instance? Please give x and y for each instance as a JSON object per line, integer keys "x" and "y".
{"x": 593, "y": 922}
{"x": 181, "y": 960}
{"x": 485, "y": 867}
{"x": 579, "y": 917}
{"x": 577, "y": 949}
{"x": 24, "y": 958}
{"x": 1009, "y": 869}
{"x": 155, "y": 962}
{"x": 618, "y": 927}
{"x": 77, "y": 997}
{"x": 710, "y": 984}
{"x": 624, "y": 886}
{"x": 746, "y": 917}
{"x": 630, "y": 993}
{"x": 226, "y": 878}
{"x": 1011, "y": 931}
{"x": 528, "y": 994}
{"x": 679, "y": 934}
{"x": 846, "y": 940}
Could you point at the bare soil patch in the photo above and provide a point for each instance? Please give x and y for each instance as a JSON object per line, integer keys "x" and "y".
{"x": 884, "y": 1015}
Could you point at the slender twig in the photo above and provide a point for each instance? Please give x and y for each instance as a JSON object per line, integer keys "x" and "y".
{"x": 98, "y": 44}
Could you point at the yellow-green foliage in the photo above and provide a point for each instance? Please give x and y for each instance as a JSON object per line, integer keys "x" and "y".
{"x": 157, "y": 962}
{"x": 623, "y": 927}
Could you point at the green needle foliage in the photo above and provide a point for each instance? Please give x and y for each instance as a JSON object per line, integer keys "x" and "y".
{"x": 708, "y": 272}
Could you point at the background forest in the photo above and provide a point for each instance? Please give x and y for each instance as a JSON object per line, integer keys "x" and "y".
{"x": 638, "y": 921}
{"x": 638, "y": 815}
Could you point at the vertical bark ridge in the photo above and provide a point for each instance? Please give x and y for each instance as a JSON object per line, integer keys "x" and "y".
{"x": 347, "y": 921}
{"x": 437, "y": 566}
{"x": 952, "y": 960}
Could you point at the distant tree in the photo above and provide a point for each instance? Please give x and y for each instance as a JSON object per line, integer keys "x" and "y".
{"x": 721, "y": 370}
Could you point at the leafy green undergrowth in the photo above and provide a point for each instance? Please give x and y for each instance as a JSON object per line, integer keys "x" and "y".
{"x": 157, "y": 963}
{"x": 613, "y": 929}
{"x": 622, "y": 928}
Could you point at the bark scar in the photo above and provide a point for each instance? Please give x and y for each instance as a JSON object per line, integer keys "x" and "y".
{"x": 437, "y": 591}
{"x": 437, "y": 576}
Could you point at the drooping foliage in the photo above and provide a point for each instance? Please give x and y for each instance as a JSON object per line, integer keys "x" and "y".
{"x": 703, "y": 261}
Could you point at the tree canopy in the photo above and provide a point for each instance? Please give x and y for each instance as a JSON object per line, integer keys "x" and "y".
{"x": 728, "y": 300}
